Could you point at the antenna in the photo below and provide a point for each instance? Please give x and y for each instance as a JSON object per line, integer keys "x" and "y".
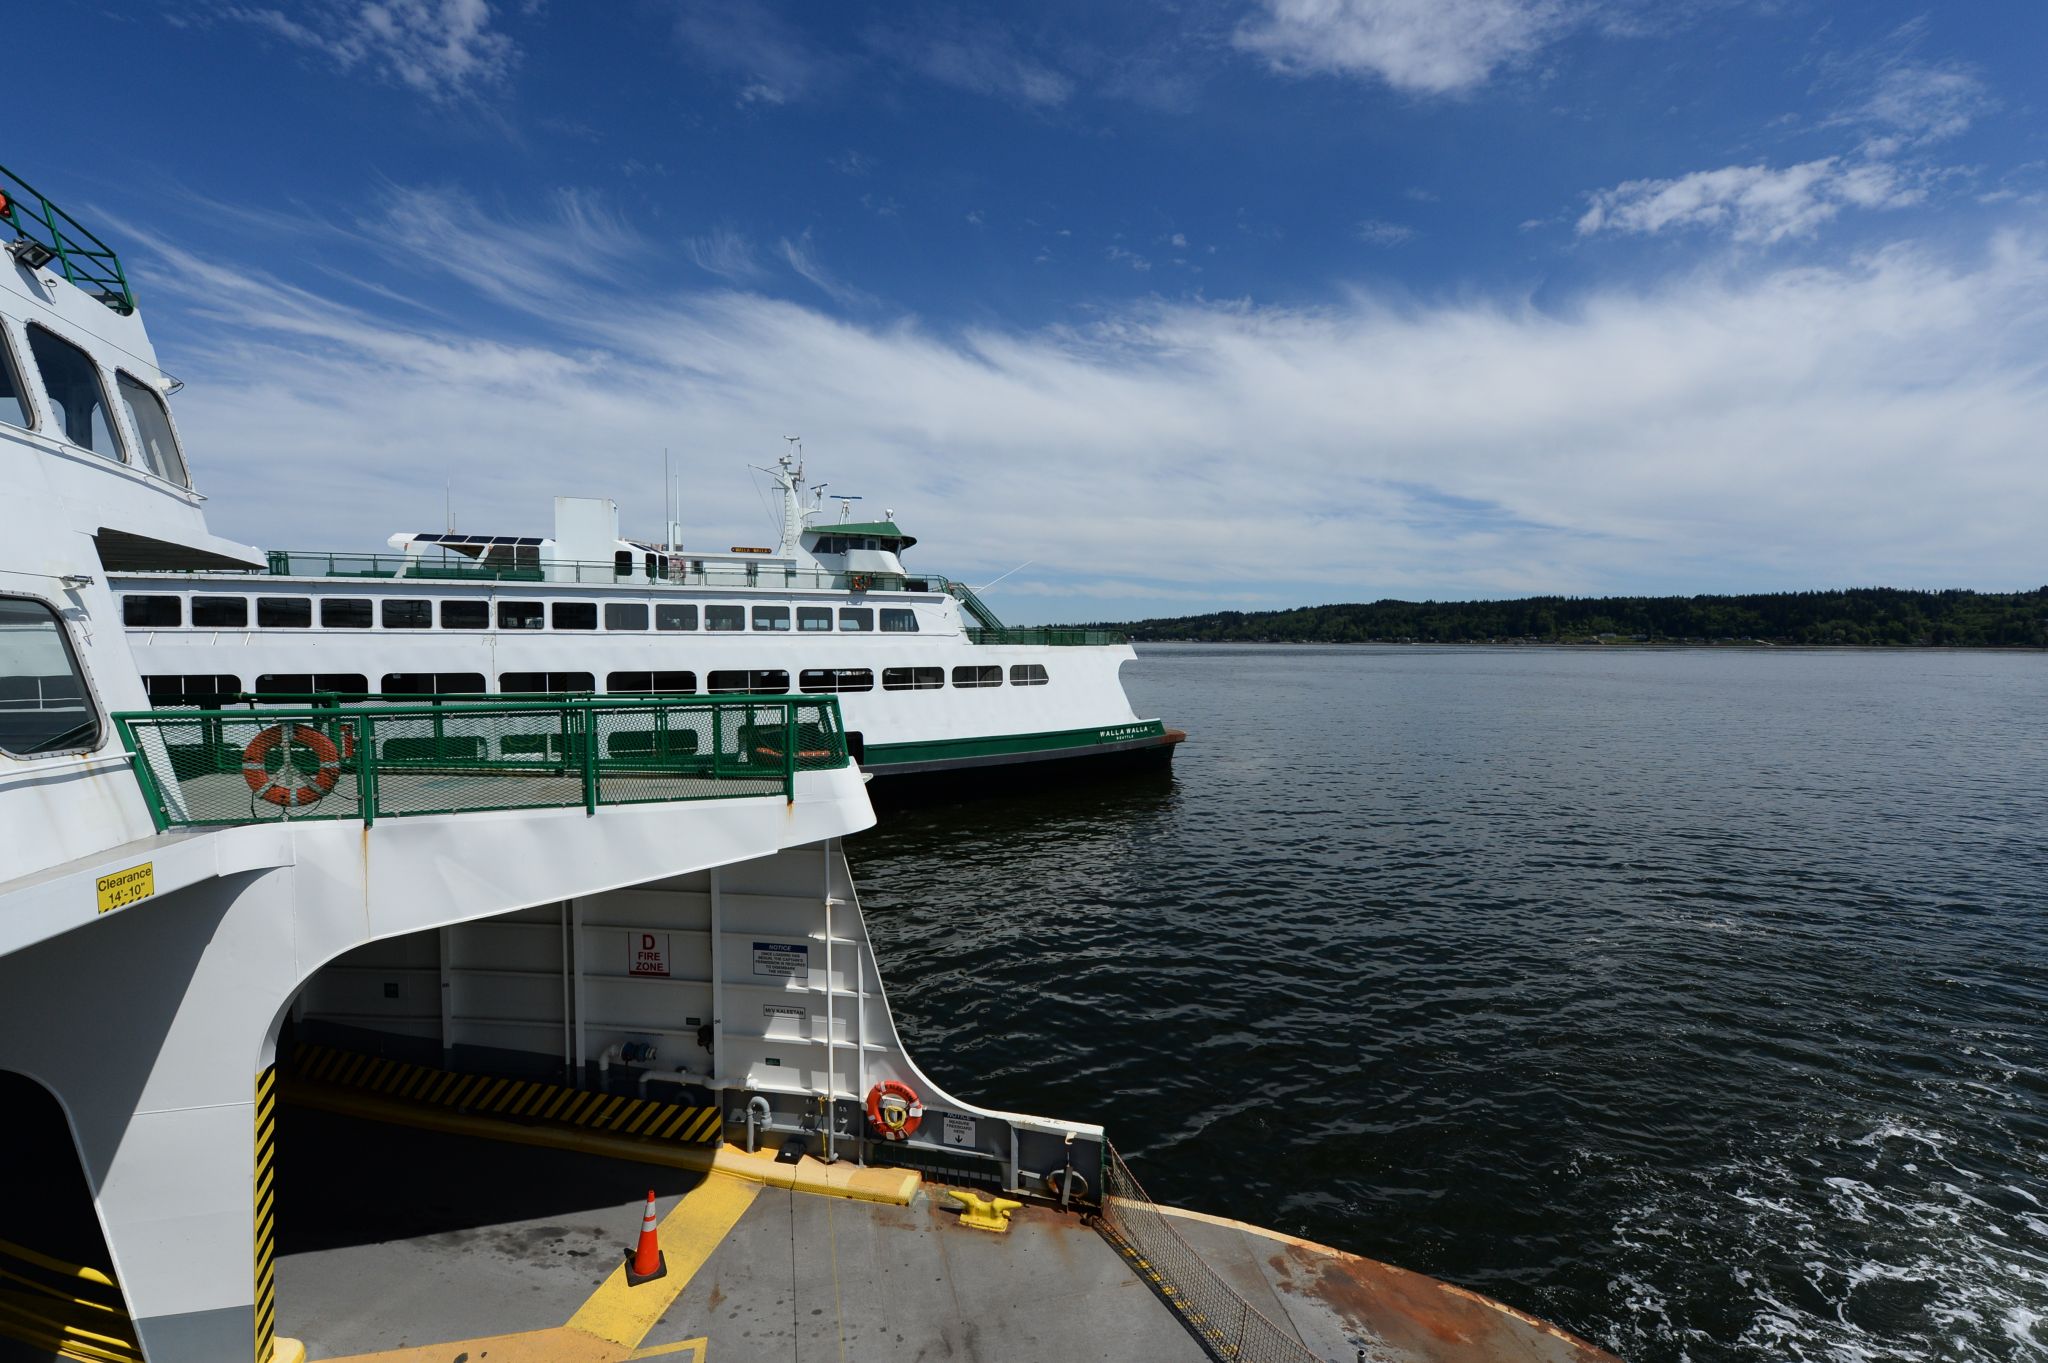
{"x": 448, "y": 502}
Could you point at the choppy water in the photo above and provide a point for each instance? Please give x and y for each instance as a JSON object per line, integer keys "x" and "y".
{"x": 1697, "y": 1001}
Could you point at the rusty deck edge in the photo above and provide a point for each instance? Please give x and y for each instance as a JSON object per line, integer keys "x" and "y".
{"x": 1592, "y": 1350}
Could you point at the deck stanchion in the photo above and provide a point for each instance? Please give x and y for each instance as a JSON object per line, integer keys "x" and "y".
{"x": 589, "y": 758}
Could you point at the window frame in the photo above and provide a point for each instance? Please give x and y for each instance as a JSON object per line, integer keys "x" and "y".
{"x": 184, "y": 476}
{"x": 623, "y": 607}
{"x": 866, "y": 613}
{"x": 832, "y": 681}
{"x": 120, "y": 456}
{"x": 977, "y": 676}
{"x": 802, "y": 627}
{"x": 1042, "y": 677}
{"x": 555, "y": 609}
{"x": 266, "y": 601}
{"x": 540, "y": 618}
{"x": 369, "y": 611}
{"x": 900, "y": 613}
{"x": 171, "y": 597}
{"x": 691, "y": 607}
{"x": 385, "y": 603}
{"x": 738, "y": 626}
{"x": 755, "y": 614}
{"x": 100, "y": 726}
{"x": 192, "y": 609}
{"x": 12, "y": 360}
{"x": 912, "y": 681}
{"x": 441, "y": 616}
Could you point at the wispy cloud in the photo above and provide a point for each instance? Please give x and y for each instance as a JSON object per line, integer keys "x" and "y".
{"x": 772, "y": 60}
{"x": 1380, "y": 232}
{"x": 1428, "y": 47}
{"x": 980, "y": 59}
{"x": 802, "y": 257}
{"x": 1754, "y": 203}
{"x": 444, "y": 49}
{"x": 725, "y": 253}
{"x": 1750, "y": 429}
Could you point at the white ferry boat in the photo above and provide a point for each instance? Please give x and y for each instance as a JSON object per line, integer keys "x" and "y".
{"x": 930, "y": 681}
{"x": 498, "y": 1028}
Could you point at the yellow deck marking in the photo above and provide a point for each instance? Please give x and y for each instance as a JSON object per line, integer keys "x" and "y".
{"x": 697, "y": 1226}
{"x": 558, "y": 1345}
{"x": 697, "y": 1347}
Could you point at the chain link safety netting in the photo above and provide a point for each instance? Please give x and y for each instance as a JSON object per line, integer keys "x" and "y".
{"x": 352, "y": 762}
{"x": 1228, "y": 1327}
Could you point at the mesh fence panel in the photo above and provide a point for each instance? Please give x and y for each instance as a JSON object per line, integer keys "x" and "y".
{"x": 1227, "y": 1326}
{"x": 349, "y": 762}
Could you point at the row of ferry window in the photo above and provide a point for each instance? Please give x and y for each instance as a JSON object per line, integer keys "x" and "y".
{"x": 356, "y": 612}
{"x": 213, "y": 690}
{"x": 77, "y": 394}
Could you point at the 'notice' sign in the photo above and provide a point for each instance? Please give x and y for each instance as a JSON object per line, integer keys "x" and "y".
{"x": 648, "y": 953}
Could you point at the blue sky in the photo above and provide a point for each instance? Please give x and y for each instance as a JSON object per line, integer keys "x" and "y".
{"x": 1191, "y": 305}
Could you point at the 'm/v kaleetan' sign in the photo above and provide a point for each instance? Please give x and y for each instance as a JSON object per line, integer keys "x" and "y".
{"x": 648, "y": 953}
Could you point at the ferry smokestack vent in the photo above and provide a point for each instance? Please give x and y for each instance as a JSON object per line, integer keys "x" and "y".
{"x": 647, "y": 1262}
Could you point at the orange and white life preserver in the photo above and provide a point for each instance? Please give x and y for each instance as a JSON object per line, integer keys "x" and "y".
{"x": 290, "y": 786}
{"x": 894, "y": 1110}
{"x": 860, "y": 582}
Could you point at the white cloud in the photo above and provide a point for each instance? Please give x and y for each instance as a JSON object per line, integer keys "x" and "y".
{"x": 803, "y": 258}
{"x": 1873, "y": 422}
{"x": 442, "y": 48}
{"x": 1755, "y": 203}
{"x": 1379, "y": 232}
{"x": 725, "y": 253}
{"x": 773, "y": 61}
{"x": 1920, "y": 103}
{"x": 1430, "y": 47}
{"x": 979, "y": 60}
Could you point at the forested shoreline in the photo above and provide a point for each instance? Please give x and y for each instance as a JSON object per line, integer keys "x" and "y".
{"x": 1861, "y": 617}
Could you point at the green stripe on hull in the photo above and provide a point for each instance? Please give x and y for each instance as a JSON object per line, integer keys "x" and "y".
{"x": 881, "y": 756}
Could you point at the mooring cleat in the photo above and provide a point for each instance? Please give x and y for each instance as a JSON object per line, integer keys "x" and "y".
{"x": 984, "y": 1213}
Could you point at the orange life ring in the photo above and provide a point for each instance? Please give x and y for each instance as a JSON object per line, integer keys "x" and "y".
{"x": 284, "y": 787}
{"x": 894, "y": 1110}
{"x": 861, "y": 581}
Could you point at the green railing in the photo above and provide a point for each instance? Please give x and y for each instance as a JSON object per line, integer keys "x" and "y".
{"x": 82, "y": 257}
{"x": 202, "y": 768}
{"x": 1050, "y": 637}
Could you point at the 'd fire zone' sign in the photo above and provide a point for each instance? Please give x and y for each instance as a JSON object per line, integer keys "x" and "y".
{"x": 649, "y": 953}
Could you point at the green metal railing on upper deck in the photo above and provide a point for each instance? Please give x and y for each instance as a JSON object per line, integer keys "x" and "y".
{"x": 77, "y": 253}
{"x": 201, "y": 768}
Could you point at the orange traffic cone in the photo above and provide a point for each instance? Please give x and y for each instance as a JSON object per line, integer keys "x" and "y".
{"x": 646, "y": 1262}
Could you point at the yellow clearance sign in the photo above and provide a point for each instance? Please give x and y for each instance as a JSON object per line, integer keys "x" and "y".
{"x": 131, "y": 886}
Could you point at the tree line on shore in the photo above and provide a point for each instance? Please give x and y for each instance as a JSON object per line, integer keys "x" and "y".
{"x": 1864, "y": 616}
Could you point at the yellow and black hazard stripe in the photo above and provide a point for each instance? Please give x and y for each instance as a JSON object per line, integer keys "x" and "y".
{"x": 266, "y": 1215}
{"x": 62, "y": 1309}
{"x": 529, "y": 1100}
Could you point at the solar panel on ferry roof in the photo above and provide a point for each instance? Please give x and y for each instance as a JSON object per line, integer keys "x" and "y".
{"x": 452, "y": 537}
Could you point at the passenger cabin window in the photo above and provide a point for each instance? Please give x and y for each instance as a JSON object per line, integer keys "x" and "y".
{"x": 836, "y": 680}
{"x": 545, "y": 683}
{"x": 725, "y": 617}
{"x": 44, "y": 705}
{"x": 575, "y": 614}
{"x": 759, "y": 682}
{"x": 651, "y": 683}
{"x": 152, "y": 612}
{"x": 771, "y": 617}
{"x": 1027, "y": 674}
{"x": 675, "y": 617}
{"x": 220, "y": 612}
{"x": 345, "y": 612}
{"x": 622, "y": 563}
{"x": 152, "y": 425}
{"x": 913, "y": 678}
{"x": 899, "y": 621}
{"x": 14, "y": 408}
{"x": 313, "y": 684}
{"x": 977, "y": 676}
{"x": 810, "y": 618}
{"x": 406, "y": 614}
{"x": 465, "y": 615}
{"x": 433, "y": 683}
{"x": 72, "y": 381}
{"x": 856, "y": 619}
{"x": 625, "y": 615}
{"x": 520, "y": 615}
{"x": 284, "y": 612}
{"x": 206, "y": 692}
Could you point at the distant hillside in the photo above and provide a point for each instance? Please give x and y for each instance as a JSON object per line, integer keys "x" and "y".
{"x": 1863, "y": 616}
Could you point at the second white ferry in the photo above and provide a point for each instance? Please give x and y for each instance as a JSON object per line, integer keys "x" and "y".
{"x": 931, "y": 682}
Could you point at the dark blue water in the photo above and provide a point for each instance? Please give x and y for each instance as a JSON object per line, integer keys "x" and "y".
{"x": 1696, "y": 1000}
